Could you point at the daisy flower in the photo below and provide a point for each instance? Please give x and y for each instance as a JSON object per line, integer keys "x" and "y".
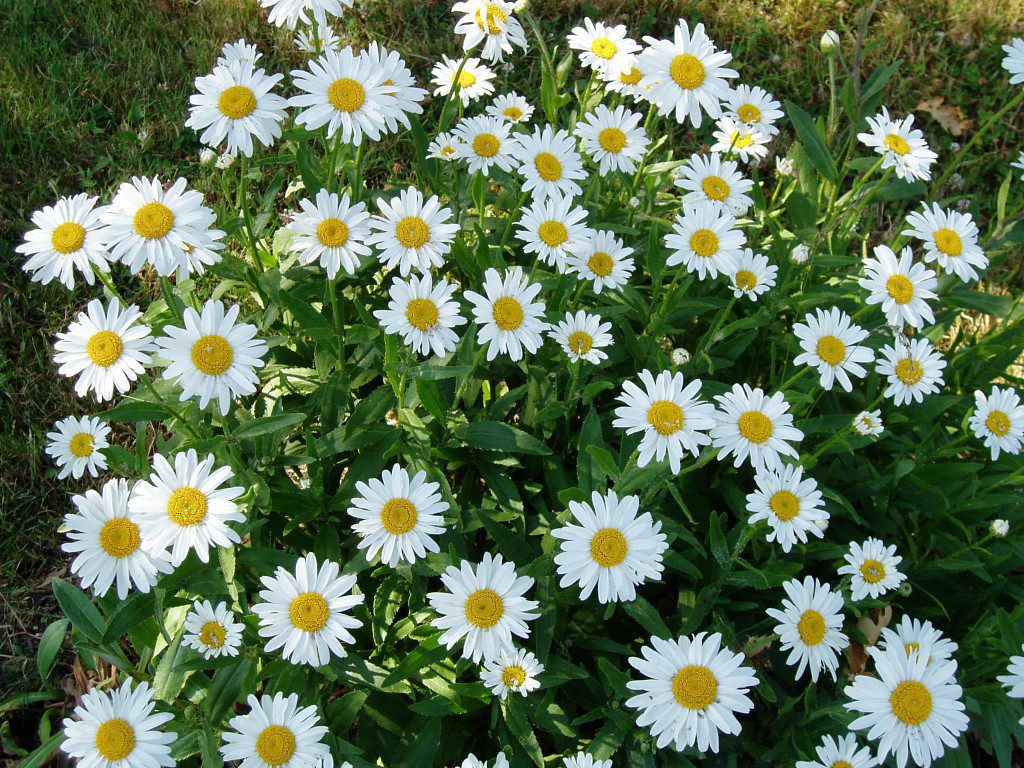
{"x": 603, "y": 47}
{"x": 903, "y": 148}
{"x": 412, "y": 233}
{"x": 331, "y": 231}
{"x": 791, "y": 504}
{"x": 509, "y": 319}
{"x": 583, "y": 337}
{"x": 628, "y": 82}
{"x": 950, "y": 239}
{"x": 913, "y": 370}
{"x": 238, "y": 52}
{"x": 739, "y": 139}
{"x": 998, "y": 420}
{"x": 554, "y": 228}
{"x": 484, "y": 606}
{"x": 307, "y": 613}
{"x": 106, "y": 349}
{"x": 277, "y": 732}
{"x": 913, "y": 634}
{"x": 604, "y": 260}
{"x": 119, "y": 728}
{"x": 489, "y": 22}
{"x": 709, "y": 179}
{"x": 900, "y": 286}
{"x": 511, "y": 107}
{"x": 690, "y": 689}
{"x": 213, "y": 632}
{"x": 872, "y": 568}
{"x": 810, "y": 627}
{"x": 68, "y": 236}
{"x": 614, "y": 139}
{"x": 474, "y": 80}
{"x": 325, "y": 39}
{"x": 752, "y": 426}
{"x": 184, "y": 507}
{"x": 290, "y": 12}
{"x": 670, "y": 415}
{"x": 705, "y": 240}
{"x": 76, "y": 446}
{"x": 1013, "y": 680}
{"x": 472, "y": 761}
{"x": 398, "y": 516}
{"x": 443, "y": 147}
{"x": 423, "y": 314}
{"x": 484, "y": 142}
{"x": 549, "y": 162}
{"x": 512, "y": 673}
{"x": 753, "y": 275}
{"x": 1019, "y": 165}
{"x": 687, "y": 75}
{"x": 913, "y": 709}
{"x": 840, "y": 752}
{"x": 831, "y": 343}
{"x": 584, "y": 760}
{"x": 868, "y": 423}
{"x": 755, "y": 107}
{"x": 608, "y": 545}
{"x": 1013, "y": 62}
{"x": 168, "y": 229}
{"x": 108, "y": 544}
{"x": 401, "y": 96}
{"x": 212, "y": 356}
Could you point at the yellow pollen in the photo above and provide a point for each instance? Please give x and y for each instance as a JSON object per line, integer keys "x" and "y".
{"x": 900, "y": 288}
{"x": 513, "y": 113}
{"x": 212, "y": 354}
{"x": 466, "y": 79}
{"x": 554, "y": 233}
{"x": 741, "y": 140}
{"x": 811, "y": 627}
{"x": 81, "y": 445}
{"x": 422, "y": 314}
{"x": 601, "y": 264}
{"x": 448, "y": 151}
{"x": 785, "y": 505}
{"x": 755, "y": 427}
{"x": 633, "y": 77}
{"x": 548, "y": 167}
{"x": 119, "y": 537}
{"x": 998, "y": 423}
{"x": 666, "y": 417}
{"x": 104, "y": 348}
{"x": 746, "y": 280}
{"x": 580, "y": 342}
{"x": 831, "y": 350}
{"x": 897, "y": 144}
{"x": 115, "y": 739}
{"x": 716, "y": 188}
{"x": 346, "y": 94}
{"x": 187, "y": 506}
{"x": 275, "y": 745}
{"x": 748, "y": 113}
{"x": 67, "y": 237}
{"x": 687, "y": 71}
{"x": 212, "y": 634}
{"x": 704, "y": 243}
{"x": 603, "y": 48}
{"x": 910, "y": 648}
{"x": 398, "y": 516}
{"x": 508, "y": 313}
{"x": 513, "y": 676}
{"x": 309, "y": 612}
{"x": 909, "y": 371}
{"x": 695, "y": 687}
{"x": 153, "y": 220}
{"x": 332, "y": 232}
{"x": 612, "y": 140}
{"x": 237, "y": 102}
{"x": 948, "y": 241}
{"x": 911, "y": 702}
{"x": 484, "y": 608}
{"x": 609, "y": 547}
{"x": 872, "y": 571}
{"x": 495, "y": 21}
{"x": 841, "y": 764}
{"x": 486, "y": 145}
{"x": 412, "y": 232}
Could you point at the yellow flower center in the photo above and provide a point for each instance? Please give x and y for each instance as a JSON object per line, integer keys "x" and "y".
{"x": 609, "y": 547}
{"x": 494, "y": 21}
{"x": 748, "y": 113}
{"x": 346, "y": 94}
{"x": 600, "y": 264}
{"x": 842, "y": 764}
{"x": 755, "y": 427}
{"x": 115, "y": 739}
{"x": 872, "y": 571}
{"x": 187, "y": 506}
{"x": 236, "y": 102}
{"x": 398, "y": 516}
{"x": 785, "y": 505}
{"x": 695, "y": 687}
{"x": 900, "y": 288}
{"x": 212, "y": 634}
{"x": 309, "y": 612}
{"x": 422, "y": 314}
{"x": 910, "y": 648}
{"x": 448, "y": 151}
{"x": 948, "y": 241}
{"x": 67, "y": 237}
{"x": 212, "y": 354}
{"x": 704, "y": 243}
{"x": 332, "y": 232}
{"x": 275, "y": 745}
{"x": 484, "y": 608}
{"x": 831, "y": 350}
{"x": 633, "y": 77}
{"x": 104, "y": 348}
{"x": 513, "y": 676}
{"x": 741, "y": 140}
{"x": 119, "y": 537}
{"x": 909, "y": 371}
{"x": 466, "y": 79}
{"x": 486, "y": 145}
{"x": 513, "y": 113}
{"x": 715, "y": 187}
{"x": 897, "y": 144}
{"x": 998, "y": 423}
{"x": 412, "y": 232}
{"x": 746, "y": 280}
{"x": 611, "y": 140}
{"x": 911, "y": 702}
{"x": 811, "y": 627}
{"x": 580, "y": 342}
{"x": 554, "y": 233}
{"x": 603, "y": 48}
{"x": 687, "y": 71}
{"x": 153, "y": 220}
{"x": 81, "y": 445}
{"x": 508, "y": 313}
{"x": 547, "y": 166}
{"x": 666, "y": 417}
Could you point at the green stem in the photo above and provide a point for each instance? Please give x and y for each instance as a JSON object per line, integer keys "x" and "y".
{"x": 108, "y": 283}
{"x": 243, "y": 202}
{"x": 148, "y": 384}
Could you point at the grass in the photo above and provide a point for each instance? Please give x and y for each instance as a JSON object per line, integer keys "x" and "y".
{"x": 94, "y": 91}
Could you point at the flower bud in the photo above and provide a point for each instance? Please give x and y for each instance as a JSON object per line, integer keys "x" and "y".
{"x": 999, "y": 528}
{"x": 680, "y": 356}
{"x": 829, "y": 41}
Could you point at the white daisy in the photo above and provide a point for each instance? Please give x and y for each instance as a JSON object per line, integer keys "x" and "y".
{"x": 291, "y": 12}
{"x": 238, "y": 52}
{"x": 670, "y": 414}
{"x": 509, "y": 319}
{"x": 398, "y": 516}
{"x": 474, "y": 80}
{"x": 211, "y": 631}
{"x": 554, "y": 228}
{"x": 872, "y": 568}
{"x": 605, "y": 260}
{"x": 423, "y": 314}
{"x": 549, "y": 162}
{"x": 902, "y": 287}
{"x": 489, "y": 22}
{"x": 831, "y": 343}
{"x": 585, "y": 760}
{"x": 168, "y": 229}
{"x": 443, "y": 147}
{"x": 331, "y": 231}
{"x": 691, "y": 689}
{"x": 412, "y": 233}
{"x": 512, "y": 673}
{"x": 324, "y": 39}
{"x": 608, "y": 545}
{"x": 739, "y": 139}
{"x": 628, "y": 82}
{"x": 903, "y": 148}
{"x": 1013, "y": 680}
{"x": 840, "y": 752}
{"x": 277, "y": 733}
{"x": 998, "y": 420}
{"x": 705, "y": 239}
{"x": 68, "y": 236}
{"x": 614, "y": 139}
{"x": 709, "y": 179}
{"x": 109, "y": 544}
{"x": 1013, "y": 62}
{"x": 106, "y": 349}
{"x": 76, "y": 445}
{"x": 913, "y": 634}
{"x": 583, "y": 337}
{"x": 119, "y": 728}
{"x": 484, "y": 142}
{"x": 604, "y": 48}
{"x": 753, "y": 275}
{"x": 306, "y": 614}
{"x": 184, "y": 507}
{"x": 484, "y": 606}
{"x": 755, "y": 107}
{"x": 472, "y": 761}
{"x": 913, "y": 368}
{"x": 686, "y": 75}
{"x": 912, "y": 709}
{"x": 401, "y": 96}
{"x": 752, "y": 426}
{"x": 810, "y": 627}
{"x": 511, "y": 107}
{"x": 791, "y": 504}
{"x": 868, "y": 423}
{"x": 950, "y": 239}
{"x": 1019, "y": 165}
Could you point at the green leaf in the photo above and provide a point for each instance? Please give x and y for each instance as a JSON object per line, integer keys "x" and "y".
{"x": 430, "y": 651}
{"x": 520, "y": 727}
{"x": 49, "y": 647}
{"x": 498, "y": 436}
{"x": 226, "y": 687}
{"x": 40, "y": 754}
{"x": 813, "y": 143}
{"x": 648, "y": 618}
{"x": 134, "y": 410}
{"x": 170, "y": 676}
{"x": 84, "y": 615}
{"x": 268, "y": 425}
{"x": 422, "y": 750}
